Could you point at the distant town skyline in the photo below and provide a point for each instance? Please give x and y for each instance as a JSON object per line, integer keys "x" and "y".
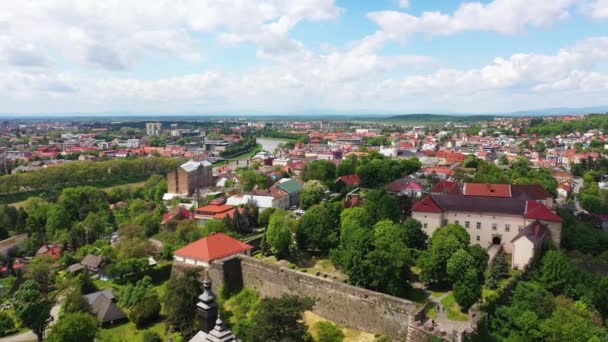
{"x": 305, "y": 56}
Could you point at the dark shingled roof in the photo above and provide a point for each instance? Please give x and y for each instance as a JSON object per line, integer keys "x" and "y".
{"x": 480, "y": 204}
{"x": 104, "y": 308}
{"x": 535, "y": 232}
{"x": 534, "y": 192}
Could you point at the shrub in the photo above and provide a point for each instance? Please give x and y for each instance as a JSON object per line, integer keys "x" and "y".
{"x": 151, "y": 336}
{"x": 145, "y": 311}
{"x": 7, "y": 325}
{"x": 328, "y": 332}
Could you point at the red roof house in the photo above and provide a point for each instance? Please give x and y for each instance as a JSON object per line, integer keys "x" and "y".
{"x": 54, "y": 251}
{"x": 178, "y": 213}
{"x": 213, "y": 247}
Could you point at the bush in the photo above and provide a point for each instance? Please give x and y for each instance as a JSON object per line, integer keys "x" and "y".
{"x": 7, "y": 325}
{"x": 328, "y": 332}
{"x": 145, "y": 311}
{"x": 151, "y": 336}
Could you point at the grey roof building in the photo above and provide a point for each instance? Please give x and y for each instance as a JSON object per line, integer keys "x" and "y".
{"x": 104, "y": 308}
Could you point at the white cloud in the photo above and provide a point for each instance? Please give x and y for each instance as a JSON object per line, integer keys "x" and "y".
{"x": 503, "y": 16}
{"x": 115, "y": 34}
{"x": 347, "y": 81}
{"x": 598, "y": 9}
{"x": 404, "y": 3}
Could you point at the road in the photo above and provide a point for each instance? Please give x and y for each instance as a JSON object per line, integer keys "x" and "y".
{"x": 29, "y": 335}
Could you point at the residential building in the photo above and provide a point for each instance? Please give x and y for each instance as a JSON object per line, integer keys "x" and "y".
{"x": 103, "y": 306}
{"x": 189, "y": 177}
{"x": 153, "y": 128}
{"x": 293, "y": 188}
{"x": 213, "y": 247}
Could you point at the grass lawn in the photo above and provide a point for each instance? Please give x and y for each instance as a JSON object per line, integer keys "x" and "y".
{"x": 430, "y": 310}
{"x": 350, "y": 335}
{"x": 127, "y": 332}
{"x": 453, "y": 310}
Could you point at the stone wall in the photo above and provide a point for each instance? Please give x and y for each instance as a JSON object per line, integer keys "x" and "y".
{"x": 344, "y": 304}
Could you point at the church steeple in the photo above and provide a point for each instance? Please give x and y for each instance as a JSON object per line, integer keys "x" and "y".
{"x": 207, "y": 306}
{"x": 220, "y": 333}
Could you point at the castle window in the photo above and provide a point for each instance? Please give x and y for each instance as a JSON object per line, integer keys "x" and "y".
{"x": 507, "y": 227}
{"x": 466, "y": 224}
{"x": 478, "y": 238}
{"x": 478, "y": 225}
{"x": 494, "y": 226}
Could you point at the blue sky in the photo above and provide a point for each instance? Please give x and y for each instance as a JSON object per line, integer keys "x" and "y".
{"x": 305, "y": 56}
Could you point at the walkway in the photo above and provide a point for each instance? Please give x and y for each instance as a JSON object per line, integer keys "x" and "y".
{"x": 442, "y": 320}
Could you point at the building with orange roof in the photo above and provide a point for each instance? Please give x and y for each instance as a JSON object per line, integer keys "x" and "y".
{"x": 213, "y": 247}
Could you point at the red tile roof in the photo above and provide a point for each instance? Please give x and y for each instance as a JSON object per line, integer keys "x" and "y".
{"x": 54, "y": 251}
{"x": 487, "y": 190}
{"x": 539, "y": 211}
{"x": 213, "y": 247}
{"x": 176, "y": 212}
{"x": 427, "y": 205}
{"x": 350, "y": 180}
{"x": 447, "y": 187}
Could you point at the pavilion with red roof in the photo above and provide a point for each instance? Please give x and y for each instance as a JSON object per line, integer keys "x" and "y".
{"x": 213, "y": 247}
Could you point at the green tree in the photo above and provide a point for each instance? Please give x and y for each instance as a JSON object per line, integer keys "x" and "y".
{"x": 347, "y": 166}
{"x": 32, "y": 309}
{"x": 458, "y": 265}
{"x": 480, "y": 260}
{"x": 74, "y": 327}
{"x": 75, "y": 302}
{"x": 388, "y": 262}
{"x": 443, "y": 244}
{"x": 128, "y": 270}
{"x": 40, "y": 269}
{"x": 328, "y": 332}
{"x": 557, "y": 271}
{"x": 312, "y": 193}
{"x": 380, "y": 205}
{"x": 145, "y": 311}
{"x": 356, "y": 240}
{"x": 279, "y": 319}
{"x": 318, "y": 229}
{"x": 264, "y": 216}
{"x": 57, "y": 220}
{"x": 415, "y": 237}
{"x": 467, "y": 290}
{"x": 499, "y": 269}
{"x": 321, "y": 170}
{"x": 279, "y": 232}
{"x": 573, "y": 321}
{"x": 181, "y": 296}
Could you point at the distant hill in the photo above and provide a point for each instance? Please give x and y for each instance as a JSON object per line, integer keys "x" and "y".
{"x": 560, "y": 111}
{"x": 438, "y": 118}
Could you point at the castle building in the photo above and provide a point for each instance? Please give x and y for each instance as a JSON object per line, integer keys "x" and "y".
{"x": 517, "y": 224}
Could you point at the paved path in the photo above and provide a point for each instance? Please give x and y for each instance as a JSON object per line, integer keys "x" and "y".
{"x": 29, "y": 335}
{"x": 442, "y": 321}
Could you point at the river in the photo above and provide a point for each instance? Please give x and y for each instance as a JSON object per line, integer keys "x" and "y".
{"x": 268, "y": 144}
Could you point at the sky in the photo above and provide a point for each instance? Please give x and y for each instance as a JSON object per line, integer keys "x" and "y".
{"x": 301, "y": 56}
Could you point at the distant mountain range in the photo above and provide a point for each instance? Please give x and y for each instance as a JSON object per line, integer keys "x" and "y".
{"x": 559, "y": 111}
{"x": 437, "y": 116}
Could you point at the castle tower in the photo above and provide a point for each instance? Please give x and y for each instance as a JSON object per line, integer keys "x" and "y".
{"x": 207, "y": 307}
